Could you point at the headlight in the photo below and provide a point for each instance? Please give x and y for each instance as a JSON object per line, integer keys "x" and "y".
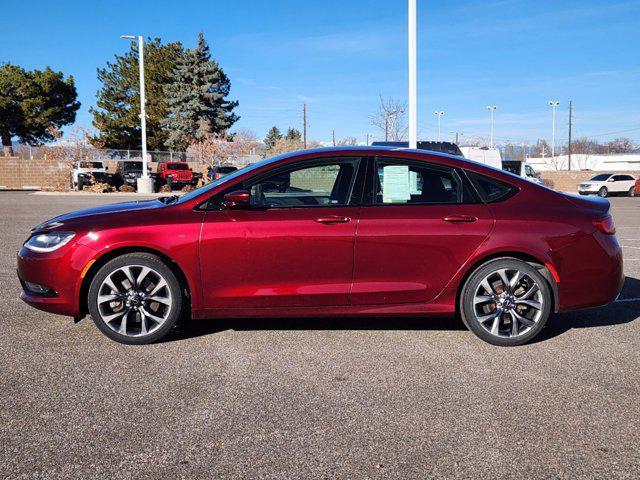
{"x": 48, "y": 242}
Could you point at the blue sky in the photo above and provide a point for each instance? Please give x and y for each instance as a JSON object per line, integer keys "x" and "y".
{"x": 337, "y": 56}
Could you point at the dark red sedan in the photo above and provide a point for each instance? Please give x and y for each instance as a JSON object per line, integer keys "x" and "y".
{"x": 332, "y": 232}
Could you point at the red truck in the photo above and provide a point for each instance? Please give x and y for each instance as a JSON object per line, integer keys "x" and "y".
{"x": 175, "y": 174}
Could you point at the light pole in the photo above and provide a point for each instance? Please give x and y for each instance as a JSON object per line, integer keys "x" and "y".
{"x": 145, "y": 184}
{"x": 439, "y": 114}
{"x": 553, "y": 104}
{"x": 412, "y": 60}
{"x": 491, "y": 108}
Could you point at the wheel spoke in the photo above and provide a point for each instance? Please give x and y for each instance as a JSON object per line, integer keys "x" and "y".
{"x": 163, "y": 300}
{"x": 482, "y": 299}
{"x": 531, "y": 303}
{"x": 115, "y": 316}
{"x": 123, "y": 324}
{"x": 151, "y": 316}
{"x": 143, "y": 274}
{"x": 487, "y": 286}
{"x": 107, "y": 298}
{"x": 505, "y": 279}
{"x": 525, "y": 321}
{"x": 491, "y": 316}
{"x": 161, "y": 284}
{"x": 514, "y": 323}
{"x": 496, "y": 324}
{"x": 109, "y": 283}
{"x": 129, "y": 274}
{"x": 143, "y": 322}
{"x": 533, "y": 289}
{"x": 513, "y": 284}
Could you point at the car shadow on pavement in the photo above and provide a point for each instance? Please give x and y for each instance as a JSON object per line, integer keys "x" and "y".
{"x": 617, "y": 313}
{"x": 614, "y": 314}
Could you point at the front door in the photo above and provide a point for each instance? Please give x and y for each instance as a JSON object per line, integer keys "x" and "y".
{"x": 416, "y": 235}
{"x": 293, "y": 247}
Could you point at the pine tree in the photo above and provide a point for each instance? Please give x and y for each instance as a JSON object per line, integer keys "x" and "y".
{"x": 292, "y": 134}
{"x": 273, "y": 135}
{"x": 117, "y": 116}
{"x": 196, "y": 97}
{"x": 31, "y": 102}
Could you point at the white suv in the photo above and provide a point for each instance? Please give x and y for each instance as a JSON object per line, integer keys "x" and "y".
{"x": 607, "y": 183}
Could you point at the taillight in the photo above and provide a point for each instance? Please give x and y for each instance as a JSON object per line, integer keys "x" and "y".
{"x": 605, "y": 225}
{"x": 217, "y": 176}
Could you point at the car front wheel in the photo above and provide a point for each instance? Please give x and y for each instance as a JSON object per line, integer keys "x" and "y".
{"x": 505, "y": 302}
{"x": 135, "y": 299}
{"x": 603, "y": 192}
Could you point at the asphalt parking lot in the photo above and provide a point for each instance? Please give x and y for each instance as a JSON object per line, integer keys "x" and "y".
{"x": 412, "y": 398}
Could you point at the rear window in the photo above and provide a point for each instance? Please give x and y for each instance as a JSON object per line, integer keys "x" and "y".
{"x": 491, "y": 190}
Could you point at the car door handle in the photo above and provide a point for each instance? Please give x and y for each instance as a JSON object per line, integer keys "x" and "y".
{"x": 460, "y": 218}
{"x": 333, "y": 219}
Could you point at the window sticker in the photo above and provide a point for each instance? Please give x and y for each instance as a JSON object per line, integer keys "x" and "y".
{"x": 395, "y": 184}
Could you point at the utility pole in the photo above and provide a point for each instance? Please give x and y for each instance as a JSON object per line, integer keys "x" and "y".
{"x": 412, "y": 60}
{"x": 570, "y": 125}
{"x": 553, "y": 104}
{"x": 333, "y": 133}
{"x": 367, "y": 135}
{"x": 304, "y": 125}
{"x": 439, "y": 114}
{"x": 491, "y": 108}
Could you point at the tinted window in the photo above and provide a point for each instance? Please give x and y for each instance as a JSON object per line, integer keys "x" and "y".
{"x": 403, "y": 183}
{"x": 328, "y": 184}
{"x": 177, "y": 166}
{"x": 601, "y": 178}
{"x": 490, "y": 190}
{"x": 91, "y": 165}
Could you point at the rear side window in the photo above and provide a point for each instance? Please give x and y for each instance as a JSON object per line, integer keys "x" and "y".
{"x": 491, "y": 190}
{"x": 408, "y": 183}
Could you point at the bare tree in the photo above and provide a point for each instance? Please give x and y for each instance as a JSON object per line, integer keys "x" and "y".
{"x": 620, "y": 145}
{"x": 390, "y": 118}
{"x": 347, "y": 141}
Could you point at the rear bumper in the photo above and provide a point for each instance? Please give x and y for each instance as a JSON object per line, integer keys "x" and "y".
{"x": 60, "y": 271}
{"x": 591, "y": 272}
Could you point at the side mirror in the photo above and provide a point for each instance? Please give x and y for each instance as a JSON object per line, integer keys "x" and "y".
{"x": 237, "y": 199}
{"x": 610, "y": 180}
{"x": 106, "y": 168}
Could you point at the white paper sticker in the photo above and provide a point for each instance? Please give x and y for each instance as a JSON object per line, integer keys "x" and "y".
{"x": 395, "y": 184}
{"x": 413, "y": 183}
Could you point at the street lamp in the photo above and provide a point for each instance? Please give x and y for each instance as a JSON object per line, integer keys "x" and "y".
{"x": 145, "y": 184}
{"x": 439, "y": 114}
{"x": 491, "y": 109}
{"x": 553, "y": 104}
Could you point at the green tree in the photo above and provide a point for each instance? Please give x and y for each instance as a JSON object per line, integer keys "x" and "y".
{"x": 292, "y": 134}
{"x": 273, "y": 135}
{"x": 34, "y": 104}
{"x": 196, "y": 98}
{"x": 117, "y": 116}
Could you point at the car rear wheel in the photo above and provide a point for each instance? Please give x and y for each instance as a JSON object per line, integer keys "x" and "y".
{"x": 603, "y": 192}
{"x": 632, "y": 192}
{"x": 505, "y": 302}
{"x": 135, "y": 299}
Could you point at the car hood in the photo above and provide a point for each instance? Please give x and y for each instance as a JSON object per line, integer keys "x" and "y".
{"x": 61, "y": 220}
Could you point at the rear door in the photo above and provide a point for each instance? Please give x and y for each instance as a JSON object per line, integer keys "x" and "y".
{"x": 293, "y": 247}
{"x": 421, "y": 225}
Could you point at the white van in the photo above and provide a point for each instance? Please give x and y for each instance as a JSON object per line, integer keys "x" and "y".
{"x": 485, "y": 155}
{"x": 523, "y": 169}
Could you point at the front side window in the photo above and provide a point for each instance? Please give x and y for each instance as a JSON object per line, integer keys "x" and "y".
{"x": 405, "y": 183}
{"x": 320, "y": 185}
{"x": 600, "y": 178}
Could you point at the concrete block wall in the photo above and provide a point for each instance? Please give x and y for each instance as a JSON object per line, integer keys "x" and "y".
{"x": 568, "y": 181}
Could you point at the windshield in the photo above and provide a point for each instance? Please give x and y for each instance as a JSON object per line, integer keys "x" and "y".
{"x": 91, "y": 165}
{"x": 209, "y": 186}
{"x": 177, "y": 166}
{"x": 132, "y": 166}
{"x": 601, "y": 178}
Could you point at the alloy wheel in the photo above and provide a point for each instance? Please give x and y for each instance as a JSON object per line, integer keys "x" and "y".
{"x": 134, "y": 300}
{"x": 508, "y": 303}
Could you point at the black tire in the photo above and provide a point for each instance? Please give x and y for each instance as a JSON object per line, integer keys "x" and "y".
{"x": 174, "y": 312}
{"x": 632, "y": 192}
{"x": 468, "y": 309}
{"x": 80, "y": 184}
{"x": 603, "y": 192}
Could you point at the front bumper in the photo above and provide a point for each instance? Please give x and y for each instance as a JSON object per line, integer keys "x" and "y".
{"x": 61, "y": 271}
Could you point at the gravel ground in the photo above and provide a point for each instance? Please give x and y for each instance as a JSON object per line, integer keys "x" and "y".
{"x": 316, "y": 398}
